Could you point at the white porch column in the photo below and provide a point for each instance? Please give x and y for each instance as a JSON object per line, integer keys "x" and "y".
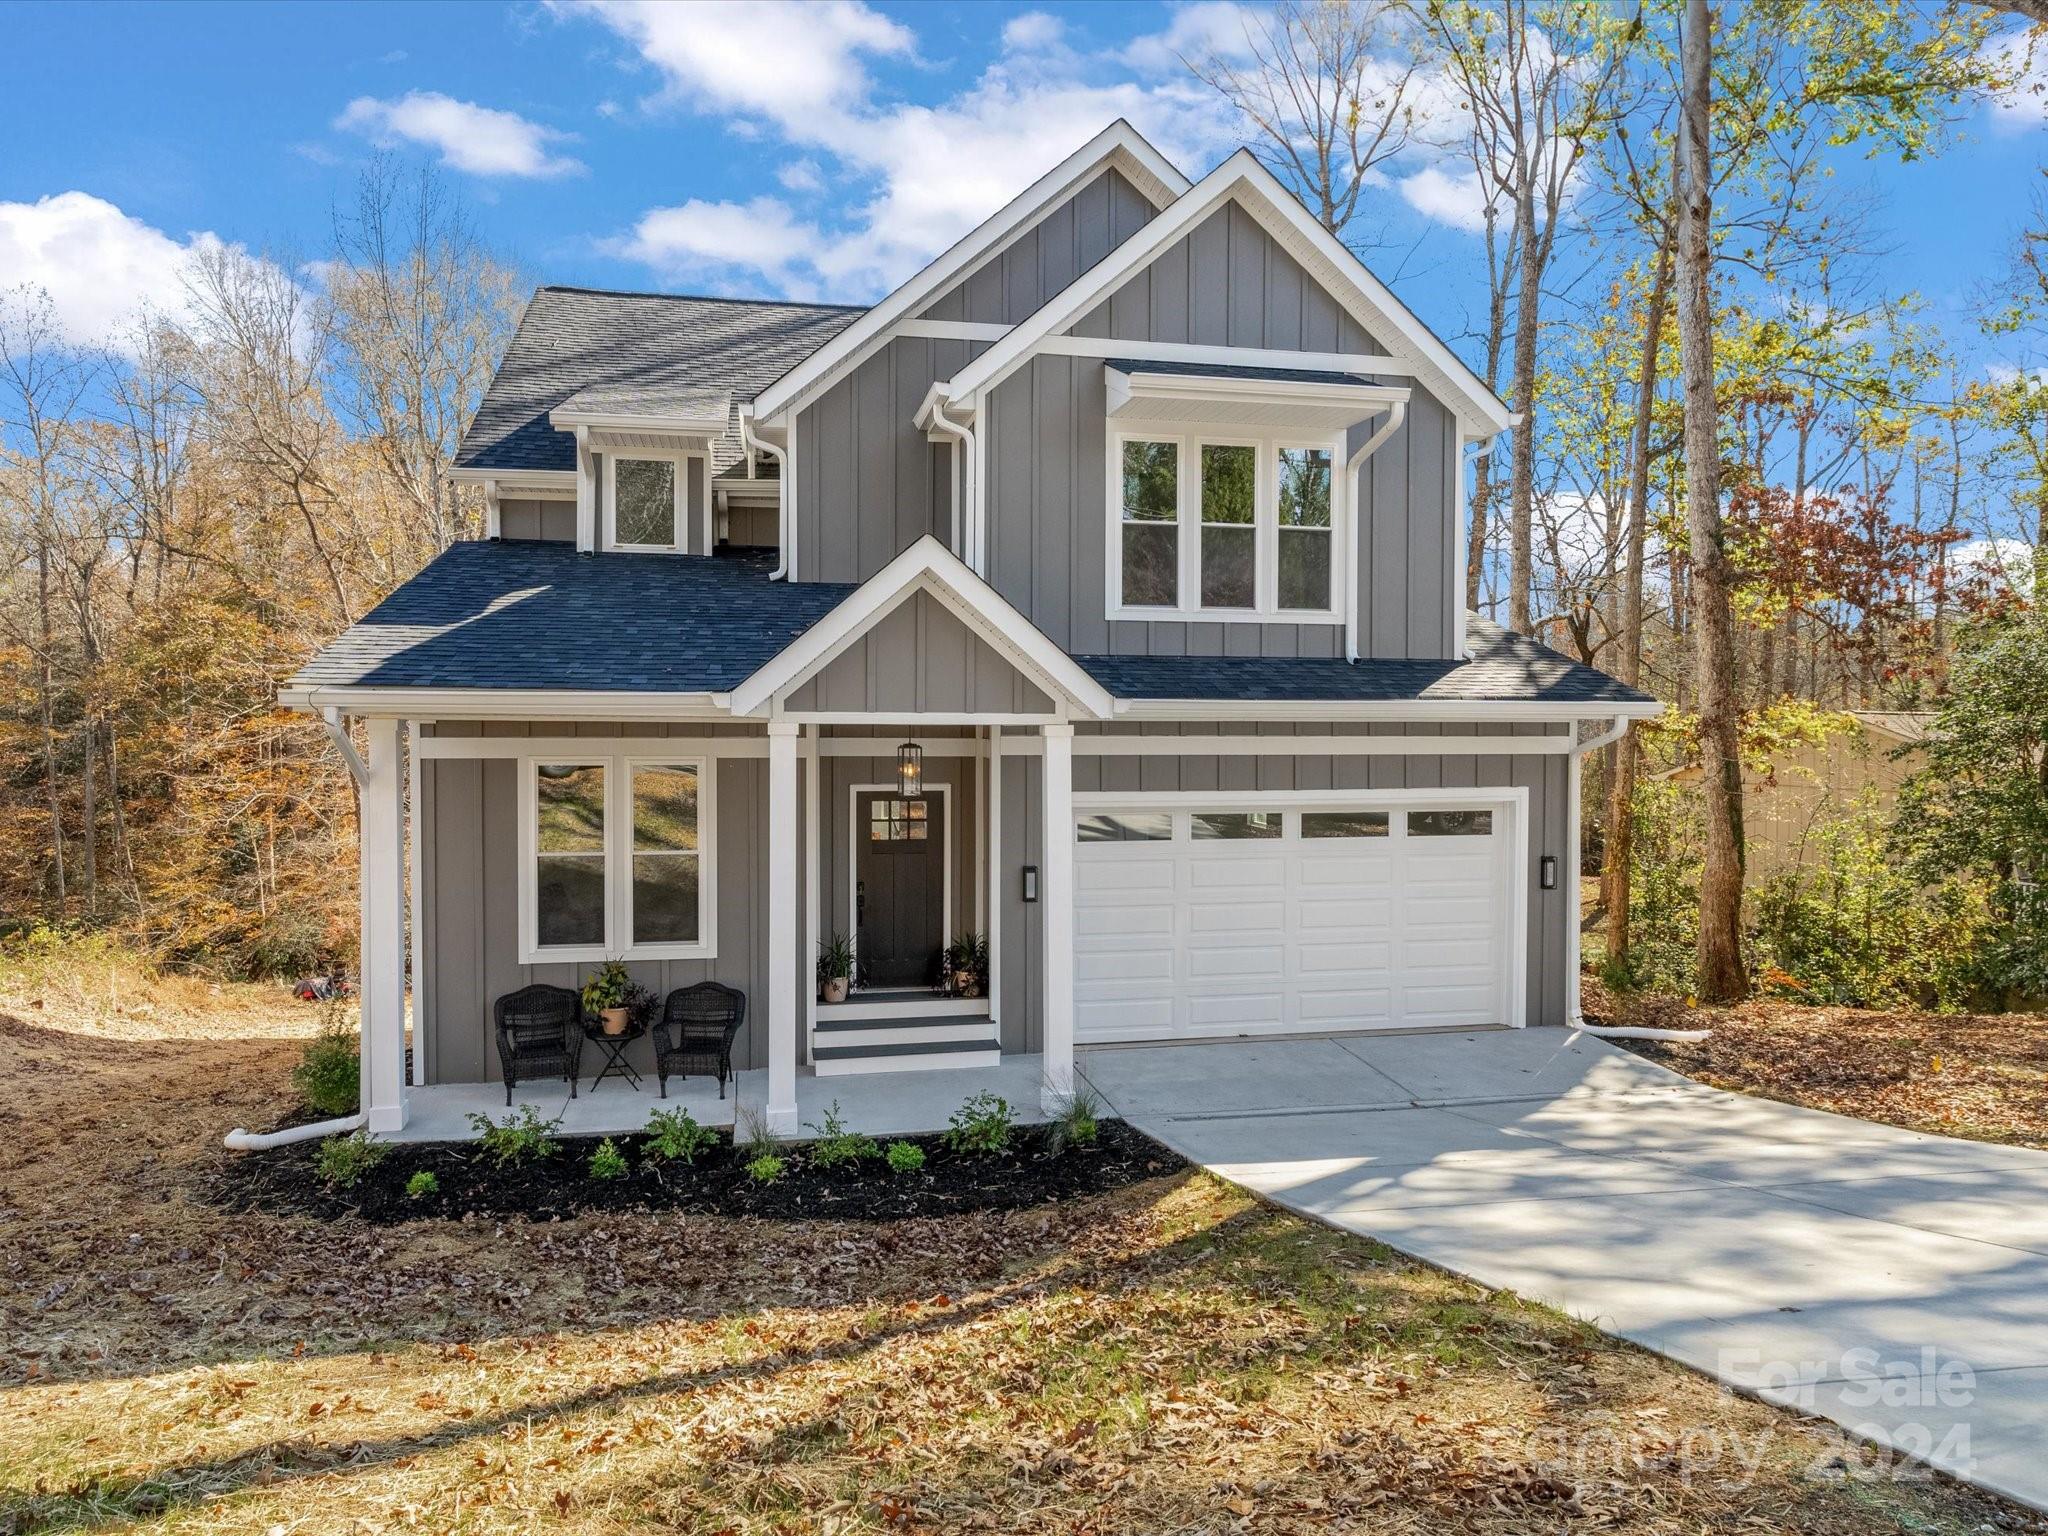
{"x": 782, "y": 927}
{"x": 1056, "y": 899}
{"x": 383, "y": 936}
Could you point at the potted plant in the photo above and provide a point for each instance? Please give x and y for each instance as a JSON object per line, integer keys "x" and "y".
{"x": 835, "y": 967}
{"x": 966, "y": 965}
{"x": 608, "y": 994}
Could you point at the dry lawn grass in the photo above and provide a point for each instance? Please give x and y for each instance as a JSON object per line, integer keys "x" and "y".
{"x": 1171, "y": 1358}
{"x": 1983, "y": 1077}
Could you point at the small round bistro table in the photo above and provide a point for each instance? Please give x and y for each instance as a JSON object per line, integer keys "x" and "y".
{"x": 614, "y": 1048}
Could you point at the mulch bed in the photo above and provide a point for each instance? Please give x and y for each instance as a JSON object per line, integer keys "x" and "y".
{"x": 284, "y": 1181}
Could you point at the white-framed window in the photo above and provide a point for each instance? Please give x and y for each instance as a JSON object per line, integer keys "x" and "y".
{"x": 616, "y": 859}
{"x": 1222, "y": 526}
{"x": 647, "y": 500}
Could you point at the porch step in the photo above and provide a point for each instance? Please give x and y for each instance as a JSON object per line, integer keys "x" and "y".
{"x": 901, "y": 1031}
{"x": 906, "y": 1056}
{"x": 903, "y": 1005}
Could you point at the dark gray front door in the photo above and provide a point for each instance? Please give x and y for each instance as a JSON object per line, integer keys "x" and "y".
{"x": 900, "y": 885}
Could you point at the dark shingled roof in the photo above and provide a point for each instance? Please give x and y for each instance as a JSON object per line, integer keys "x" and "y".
{"x": 534, "y": 615}
{"x": 1499, "y": 665}
{"x": 649, "y": 344}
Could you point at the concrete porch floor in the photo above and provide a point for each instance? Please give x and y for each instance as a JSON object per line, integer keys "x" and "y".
{"x": 874, "y": 1103}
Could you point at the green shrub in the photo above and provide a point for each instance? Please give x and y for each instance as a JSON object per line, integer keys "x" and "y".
{"x": 1664, "y": 889}
{"x": 1077, "y": 1124}
{"x": 329, "y": 1074}
{"x": 750, "y": 1132}
{"x": 674, "y": 1136}
{"x": 607, "y": 1162}
{"x": 982, "y": 1126}
{"x": 836, "y": 1146}
{"x": 343, "y": 1160}
{"x": 422, "y": 1184}
{"x": 766, "y": 1168}
{"x": 521, "y": 1137}
{"x": 905, "y": 1156}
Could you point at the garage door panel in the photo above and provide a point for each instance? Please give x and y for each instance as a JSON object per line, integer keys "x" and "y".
{"x": 1246, "y": 936}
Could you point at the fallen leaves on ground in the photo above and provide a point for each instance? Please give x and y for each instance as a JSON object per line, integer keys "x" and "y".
{"x": 1169, "y": 1357}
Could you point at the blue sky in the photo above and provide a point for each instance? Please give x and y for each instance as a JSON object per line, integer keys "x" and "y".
{"x": 815, "y": 152}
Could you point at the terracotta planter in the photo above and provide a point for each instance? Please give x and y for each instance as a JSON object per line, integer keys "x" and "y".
{"x": 615, "y": 1020}
{"x": 836, "y": 989}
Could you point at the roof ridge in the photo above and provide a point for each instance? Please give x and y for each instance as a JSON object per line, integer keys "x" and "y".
{"x": 695, "y": 298}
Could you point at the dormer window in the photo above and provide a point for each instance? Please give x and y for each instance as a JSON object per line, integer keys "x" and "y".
{"x": 644, "y": 503}
{"x": 1221, "y": 526}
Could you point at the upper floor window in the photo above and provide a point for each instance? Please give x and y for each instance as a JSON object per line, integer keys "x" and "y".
{"x": 644, "y": 503}
{"x": 1224, "y": 527}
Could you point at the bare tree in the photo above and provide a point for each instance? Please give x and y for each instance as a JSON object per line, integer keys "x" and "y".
{"x": 420, "y": 313}
{"x": 1328, "y": 84}
{"x": 1721, "y": 974}
{"x": 1539, "y": 82}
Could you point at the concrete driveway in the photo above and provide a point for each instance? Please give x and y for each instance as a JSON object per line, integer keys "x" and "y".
{"x": 1894, "y": 1282}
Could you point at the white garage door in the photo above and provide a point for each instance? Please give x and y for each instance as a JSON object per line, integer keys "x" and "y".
{"x": 1246, "y": 920}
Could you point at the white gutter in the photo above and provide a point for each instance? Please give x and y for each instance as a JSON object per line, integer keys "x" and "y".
{"x": 1397, "y": 412}
{"x": 239, "y": 1140}
{"x": 1606, "y": 738}
{"x": 330, "y": 717}
{"x": 787, "y": 498}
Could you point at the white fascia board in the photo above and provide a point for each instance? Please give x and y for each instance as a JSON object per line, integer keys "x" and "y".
{"x": 504, "y": 703}
{"x": 1237, "y": 176}
{"x": 926, "y": 565}
{"x": 564, "y": 479}
{"x": 1119, "y": 144}
{"x": 1441, "y": 711}
{"x": 626, "y": 421}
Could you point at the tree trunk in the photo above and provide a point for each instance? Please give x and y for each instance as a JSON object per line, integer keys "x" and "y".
{"x": 1721, "y": 976}
{"x": 44, "y": 683}
{"x": 1475, "y": 534}
{"x": 1522, "y": 473}
{"x": 1621, "y": 783}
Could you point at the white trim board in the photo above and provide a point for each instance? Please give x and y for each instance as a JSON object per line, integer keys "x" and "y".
{"x": 1119, "y": 145}
{"x": 557, "y": 748}
{"x": 853, "y": 794}
{"x": 1302, "y": 746}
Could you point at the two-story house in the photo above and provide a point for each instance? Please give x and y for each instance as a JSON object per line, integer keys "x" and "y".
{"x": 1098, "y": 591}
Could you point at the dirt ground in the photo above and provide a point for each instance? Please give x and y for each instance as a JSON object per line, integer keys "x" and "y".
{"x": 1982, "y": 1077}
{"x": 1167, "y": 1357}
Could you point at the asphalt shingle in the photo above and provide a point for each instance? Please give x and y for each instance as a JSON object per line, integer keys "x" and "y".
{"x": 632, "y": 345}
{"x": 539, "y": 615}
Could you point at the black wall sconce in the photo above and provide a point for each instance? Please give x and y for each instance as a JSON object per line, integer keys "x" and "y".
{"x": 1030, "y": 882}
{"x": 1546, "y": 872}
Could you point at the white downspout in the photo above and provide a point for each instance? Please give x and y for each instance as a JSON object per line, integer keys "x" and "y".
{"x": 964, "y": 436}
{"x": 1396, "y": 414}
{"x": 239, "y": 1140}
{"x": 786, "y": 497}
{"x": 1577, "y": 1020}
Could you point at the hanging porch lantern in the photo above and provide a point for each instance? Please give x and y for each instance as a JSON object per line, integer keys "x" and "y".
{"x": 909, "y": 770}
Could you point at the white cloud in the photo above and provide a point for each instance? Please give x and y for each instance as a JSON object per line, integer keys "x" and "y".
{"x": 801, "y": 176}
{"x": 481, "y": 140}
{"x": 2023, "y": 60}
{"x": 922, "y": 176}
{"x": 102, "y": 269}
{"x": 1209, "y": 29}
{"x": 1453, "y": 197}
{"x": 705, "y": 239}
{"x": 1033, "y": 30}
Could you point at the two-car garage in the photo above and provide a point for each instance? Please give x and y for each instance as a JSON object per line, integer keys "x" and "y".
{"x": 1205, "y": 916}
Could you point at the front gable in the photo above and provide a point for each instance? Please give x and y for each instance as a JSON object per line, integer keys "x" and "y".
{"x": 1228, "y": 282}
{"x": 920, "y": 658}
{"x": 1048, "y": 255}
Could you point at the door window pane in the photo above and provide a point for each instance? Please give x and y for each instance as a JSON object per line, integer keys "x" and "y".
{"x": 898, "y": 821}
{"x": 1450, "y": 823}
{"x": 1131, "y": 827}
{"x": 1231, "y": 825}
{"x": 1151, "y": 517}
{"x": 1229, "y": 538}
{"x": 1344, "y": 824}
{"x": 665, "y": 854}
{"x": 644, "y": 494}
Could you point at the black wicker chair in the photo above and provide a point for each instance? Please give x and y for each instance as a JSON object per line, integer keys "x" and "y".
{"x": 540, "y": 1034}
{"x": 696, "y": 1032}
